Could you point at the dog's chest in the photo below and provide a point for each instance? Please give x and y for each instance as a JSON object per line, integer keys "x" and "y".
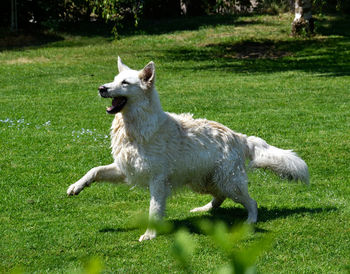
{"x": 131, "y": 159}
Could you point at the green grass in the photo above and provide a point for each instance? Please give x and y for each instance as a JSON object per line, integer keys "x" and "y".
{"x": 245, "y": 72}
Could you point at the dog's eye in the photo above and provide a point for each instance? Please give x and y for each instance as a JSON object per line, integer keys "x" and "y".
{"x": 125, "y": 83}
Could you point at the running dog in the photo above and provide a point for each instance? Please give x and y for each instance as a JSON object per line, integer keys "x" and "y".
{"x": 164, "y": 151}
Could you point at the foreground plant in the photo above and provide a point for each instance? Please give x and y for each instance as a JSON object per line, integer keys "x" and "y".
{"x": 240, "y": 260}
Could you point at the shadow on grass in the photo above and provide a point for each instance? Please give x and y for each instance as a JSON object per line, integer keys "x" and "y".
{"x": 162, "y": 26}
{"x": 234, "y": 216}
{"x": 117, "y": 230}
{"x": 334, "y": 26}
{"x": 231, "y": 217}
{"x": 327, "y": 54}
{"x": 23, "y": 39}
{"x": 39, "y": 38}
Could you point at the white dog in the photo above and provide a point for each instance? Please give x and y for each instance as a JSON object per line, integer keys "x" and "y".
{"x": 163, "y": 150}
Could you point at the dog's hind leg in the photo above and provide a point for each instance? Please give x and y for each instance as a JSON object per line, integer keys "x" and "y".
{"x": 250, "y": 205}
{"x": 214, "y": 203}
{"x": 109, "y": 173}
{"x": 238, "y": 192}
{"x": 235, "y": 186}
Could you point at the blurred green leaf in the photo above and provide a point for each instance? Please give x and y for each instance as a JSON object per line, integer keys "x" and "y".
{"x": 17, "y": 270}
{"x": 183, "y": 249}
{"x": 93, "y": 266}
{"x": 142, "y": 221}
{"x": 241, "y": 260}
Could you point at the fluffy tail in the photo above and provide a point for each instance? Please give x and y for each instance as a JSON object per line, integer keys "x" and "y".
{"x": 285, "y": 163}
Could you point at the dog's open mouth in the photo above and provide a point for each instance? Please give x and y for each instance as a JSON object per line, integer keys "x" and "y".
{"x": 117, "y": 105}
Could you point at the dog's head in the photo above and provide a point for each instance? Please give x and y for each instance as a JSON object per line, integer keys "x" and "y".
{"x": 129, "y": 86}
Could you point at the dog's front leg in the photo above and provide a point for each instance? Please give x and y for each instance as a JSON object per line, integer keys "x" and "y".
{"x": 109, "y": 173}
{"x": 159, "y": 192}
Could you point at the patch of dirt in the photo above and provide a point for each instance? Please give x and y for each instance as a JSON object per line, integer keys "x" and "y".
{"x": 26, "y": 60}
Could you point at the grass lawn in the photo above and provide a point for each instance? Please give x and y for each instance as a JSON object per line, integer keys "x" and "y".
{"x": 245, "y": 72}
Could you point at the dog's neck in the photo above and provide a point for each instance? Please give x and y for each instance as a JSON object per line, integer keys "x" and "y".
{"x": 144, "y": 121}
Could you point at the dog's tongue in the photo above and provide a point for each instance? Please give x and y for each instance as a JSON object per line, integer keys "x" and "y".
{"x": 114, "y": 104}
{"x": 109, "y": 109}
{"x": 117, "y": 105}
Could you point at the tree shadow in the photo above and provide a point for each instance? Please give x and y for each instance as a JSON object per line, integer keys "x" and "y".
{"x": 32, "y": 37}
{"x": 328, "y": 56}
{"x": 334, "y": 26}
{"x": 164, "y": 26}
{"x": 23, "y": 39}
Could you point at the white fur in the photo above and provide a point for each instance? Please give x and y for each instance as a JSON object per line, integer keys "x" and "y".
{"x": 164, "y": 151}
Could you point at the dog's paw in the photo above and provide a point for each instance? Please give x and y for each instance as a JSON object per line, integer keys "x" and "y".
{"x": 201, "y": 209}
{"x": 75, "y": 189}
{"x": 149, "y": 235}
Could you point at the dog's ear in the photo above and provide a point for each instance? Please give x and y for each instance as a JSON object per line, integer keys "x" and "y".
{"x": 121, "y": 66}
{"x": 147, "y": 75}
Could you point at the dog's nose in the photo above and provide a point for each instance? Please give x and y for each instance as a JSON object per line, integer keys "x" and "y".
{"x": 102, "y": 89}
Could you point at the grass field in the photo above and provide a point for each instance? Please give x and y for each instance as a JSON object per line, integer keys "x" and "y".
{"x": 245, "y": 72}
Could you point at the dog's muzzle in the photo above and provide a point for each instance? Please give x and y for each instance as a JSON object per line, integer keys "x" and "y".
{"x": 118, "y": 102}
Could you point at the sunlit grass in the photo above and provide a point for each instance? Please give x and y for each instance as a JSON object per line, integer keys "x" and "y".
{"x": 245, "y": 72}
